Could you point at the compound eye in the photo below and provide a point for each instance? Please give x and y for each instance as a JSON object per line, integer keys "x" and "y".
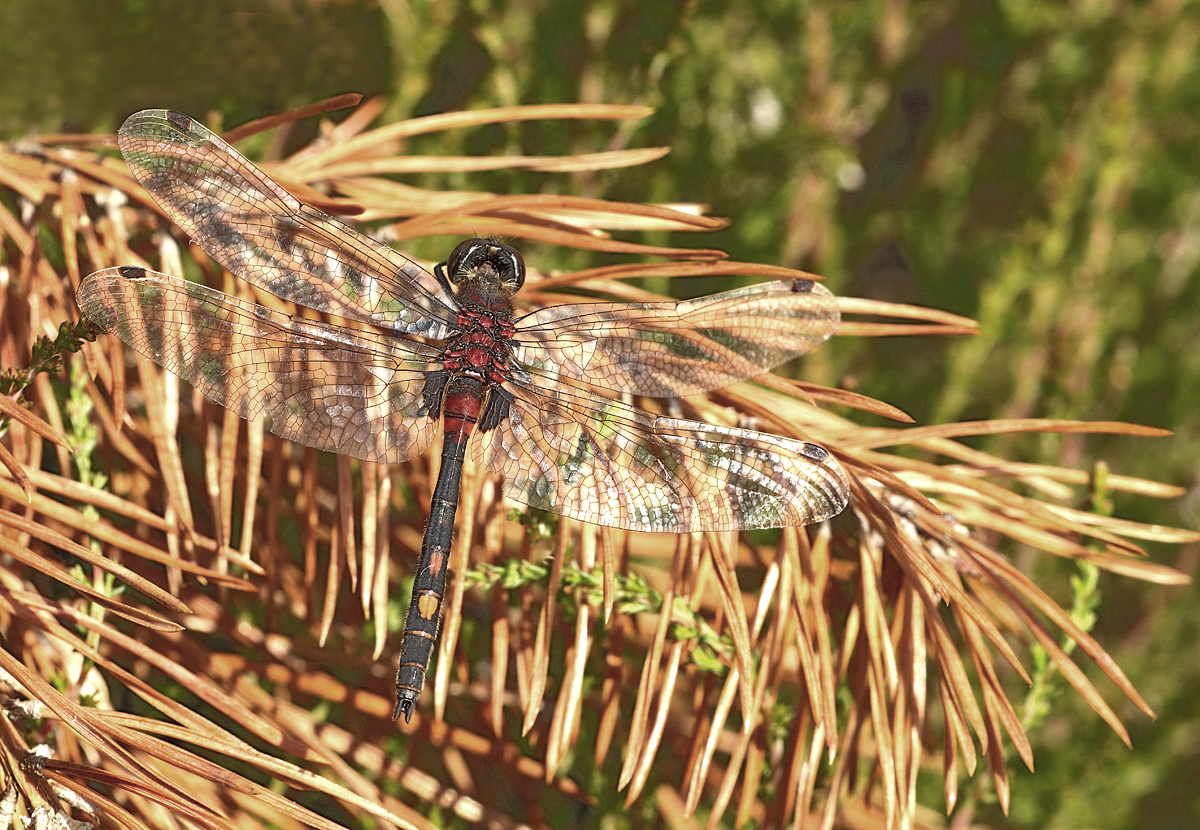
{"x": 462, "y": 252}
{"x": 514, "y": 264}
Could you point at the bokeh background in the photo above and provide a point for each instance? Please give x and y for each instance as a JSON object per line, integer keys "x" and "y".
{"x": 1031, "y": 165}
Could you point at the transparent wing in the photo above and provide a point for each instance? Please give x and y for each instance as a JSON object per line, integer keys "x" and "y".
{"x": 573, "y": 452}
{"x": 669, "y": 349}
{"x": 265, "y": 235}
{"x": 329, "y": 387}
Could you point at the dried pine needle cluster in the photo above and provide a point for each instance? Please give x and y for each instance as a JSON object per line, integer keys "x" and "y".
{"x": 191, "y": 608}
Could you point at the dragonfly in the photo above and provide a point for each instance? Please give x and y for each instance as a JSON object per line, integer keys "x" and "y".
{"x": 446, "y": 354}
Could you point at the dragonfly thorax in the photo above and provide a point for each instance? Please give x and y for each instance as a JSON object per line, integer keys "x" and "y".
{"x": 481, "y": 346}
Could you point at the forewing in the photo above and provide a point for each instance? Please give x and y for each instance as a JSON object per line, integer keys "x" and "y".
{"x": 350, "y": 392}
{"x": 265, "y": 235}
{"x": 669, "y": 349}
{"x": 573, "y": 452}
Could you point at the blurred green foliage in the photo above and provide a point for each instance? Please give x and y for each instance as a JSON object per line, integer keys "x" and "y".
{"x": 1031, "y": 165}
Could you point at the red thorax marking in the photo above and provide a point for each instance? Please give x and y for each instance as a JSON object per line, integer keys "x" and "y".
{"x": 481, "y": 347}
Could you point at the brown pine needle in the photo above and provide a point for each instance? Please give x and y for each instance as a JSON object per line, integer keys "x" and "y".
{"x": 338, "y": 102}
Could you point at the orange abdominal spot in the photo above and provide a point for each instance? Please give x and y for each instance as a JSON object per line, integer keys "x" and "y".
{"x": 427, "y": 606}
{"x": 436, "y": 560}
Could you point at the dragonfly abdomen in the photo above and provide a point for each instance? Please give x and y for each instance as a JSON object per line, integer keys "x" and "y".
{"x": 462, "y": 400}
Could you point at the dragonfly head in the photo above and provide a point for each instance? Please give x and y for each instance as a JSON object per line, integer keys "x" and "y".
{"x": 486, "y": 262}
